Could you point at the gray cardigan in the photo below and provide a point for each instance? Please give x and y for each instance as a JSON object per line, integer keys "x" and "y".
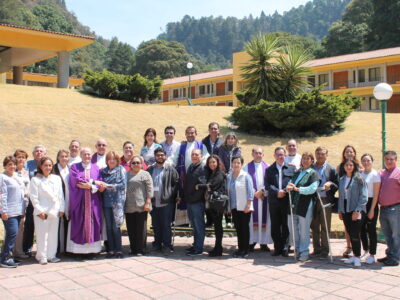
{"x": 139, "y": 188}
{"x": 357, "y": 194}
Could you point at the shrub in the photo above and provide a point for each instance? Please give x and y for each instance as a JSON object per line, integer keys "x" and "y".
{"x": 309, "y": 112}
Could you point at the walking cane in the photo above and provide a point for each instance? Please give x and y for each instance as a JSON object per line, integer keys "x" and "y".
{"x": 174, "y": 223}
{"x": 326, "y": 223}
{"x": 292, "y": 219}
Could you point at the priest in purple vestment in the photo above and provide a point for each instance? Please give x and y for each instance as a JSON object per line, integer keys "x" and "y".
{"x": 85, "y": 206}
{"x": 260, "y": 229}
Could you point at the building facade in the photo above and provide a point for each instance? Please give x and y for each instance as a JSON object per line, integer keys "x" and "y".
{"x": 357, "y": 73}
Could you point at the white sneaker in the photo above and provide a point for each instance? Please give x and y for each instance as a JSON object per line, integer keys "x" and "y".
{"x": 350, "y": 260}
{"x": 54, "y": 260}
{"x": 364, "y": 256}
{"x": 43, "y": 261}
{"x": 357, "y": 262}
{"x": 370, "y": 259}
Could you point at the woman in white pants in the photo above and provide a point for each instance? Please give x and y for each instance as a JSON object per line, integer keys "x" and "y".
{"x": 47, "y": 198}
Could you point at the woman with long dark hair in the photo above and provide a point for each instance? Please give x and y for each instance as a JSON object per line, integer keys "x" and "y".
{"x": 353, "y": 197}
{"x": 215, "y": 186}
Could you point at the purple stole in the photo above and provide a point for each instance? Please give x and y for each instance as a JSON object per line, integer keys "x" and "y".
{"x": 182, "y": 170}
{"x": 251, "y": 169}
{"x": 94, "y": 158}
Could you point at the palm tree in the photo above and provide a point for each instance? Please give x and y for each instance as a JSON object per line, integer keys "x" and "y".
{"x": 260, "y": 72}
{"x": 274, "y": 72}
{"x": 292, "y": 72}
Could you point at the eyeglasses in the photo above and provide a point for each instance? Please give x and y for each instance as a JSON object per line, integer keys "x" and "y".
{"x": 101, "y": 145}
{"x": 135, "y": 163}
{"x": 159, "y": 155}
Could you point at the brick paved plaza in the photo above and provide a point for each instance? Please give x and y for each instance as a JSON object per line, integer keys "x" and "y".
{"x": 177, "y": 276}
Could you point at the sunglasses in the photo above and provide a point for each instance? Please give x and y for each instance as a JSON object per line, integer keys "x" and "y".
{"x": 135, "y": 163}
{"x": 101, "y": 145}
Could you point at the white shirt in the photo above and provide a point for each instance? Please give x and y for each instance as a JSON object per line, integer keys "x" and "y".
{"x": 172, "y": 152}
{"x": 101, "y": 161}
{"x": 294, "y": 160}
{"x": 65, "y": 177}
{"x": 280, "y": 175}
{"x": 47, "y": 195}
{"x": 371, "y": 178}
{"x": 74, "y": 160}
{"x": 346, "y": 184}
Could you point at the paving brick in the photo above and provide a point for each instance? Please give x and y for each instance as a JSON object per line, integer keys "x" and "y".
{"x": 354, "y": 293}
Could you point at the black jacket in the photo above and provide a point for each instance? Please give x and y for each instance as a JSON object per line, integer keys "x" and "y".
{"x": 330, "y": 175}
{"x": 215, "y": 181}
{"x": 194, "y": 175}
{"x": 206, "y": 141}
{"x": 170, "y": 183}
{"x": 271, "y": 182}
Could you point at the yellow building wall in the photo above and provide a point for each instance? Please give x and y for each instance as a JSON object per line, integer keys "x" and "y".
{"x": 238, "y": 60}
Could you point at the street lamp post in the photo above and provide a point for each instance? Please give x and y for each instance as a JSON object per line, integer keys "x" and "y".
{"x": 383, "y": 92}
{"x": 190, "y": 66}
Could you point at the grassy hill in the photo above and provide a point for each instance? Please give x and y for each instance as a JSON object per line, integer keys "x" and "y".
{"x": 53, "y": 117}
{"x": 49, "y": 116}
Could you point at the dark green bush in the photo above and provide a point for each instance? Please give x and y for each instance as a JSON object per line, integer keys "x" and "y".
{"x": 309, "y": 112}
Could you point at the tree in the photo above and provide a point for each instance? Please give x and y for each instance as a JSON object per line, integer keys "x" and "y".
{"x": 119, "y": 57}
{"x": 260, "y": 73}
{"x": 52, "y": 19}
{"x": 274, "y": 72}
{"x": 165, "y": 59}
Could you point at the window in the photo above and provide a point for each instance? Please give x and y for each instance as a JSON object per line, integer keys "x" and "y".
{"x": 361, "y": 75}
{"x": 175, "y": 93}
{"x": 311, "y": 80}
{"x": 323, "y": 78}
{"x": 202, "y": 90}
{"x": 374, "y": 74}
{"x": 230, "y": 86}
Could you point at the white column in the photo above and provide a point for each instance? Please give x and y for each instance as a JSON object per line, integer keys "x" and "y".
{"x": 17, "y": 75}
{"x": 63, "y": 70}
{"x": 330, "y": 80}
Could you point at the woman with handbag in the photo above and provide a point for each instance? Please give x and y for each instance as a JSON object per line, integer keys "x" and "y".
{"x": 217, "y": 201}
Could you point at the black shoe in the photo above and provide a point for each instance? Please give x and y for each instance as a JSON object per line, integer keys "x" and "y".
{"x": 265, "y": 248}
{"x": 390, "y": 263}
{"x": 190, "y": 249}
{"x": 17, "y": 261}
{"x": 251, "y": 247}
{"x": 285, "y": 253}
{"x": 276, "y": 253}
{"x": 194, "y": 253}
{"x": 109, "y": 255}
{"x": 119, "y": 255}
{"x": 383, "y": 259}
{"x": 215, "y": 252}
{"x": 8, "y": 263}
{"x": 237, "y": 254}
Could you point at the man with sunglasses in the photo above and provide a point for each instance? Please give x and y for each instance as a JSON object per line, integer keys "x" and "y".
{"x": 99, "y": 158}
{"x": 165, "y": 186}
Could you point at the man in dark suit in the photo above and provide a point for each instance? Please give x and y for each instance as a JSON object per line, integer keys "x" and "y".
{"x": 328, "y": 187}
{"x": 277, "y": 177}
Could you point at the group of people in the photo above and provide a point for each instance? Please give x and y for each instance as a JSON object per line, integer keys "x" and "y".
{"x": 77, "y": 204}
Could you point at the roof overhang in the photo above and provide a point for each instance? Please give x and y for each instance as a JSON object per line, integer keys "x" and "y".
{"x": 23, "y": 46}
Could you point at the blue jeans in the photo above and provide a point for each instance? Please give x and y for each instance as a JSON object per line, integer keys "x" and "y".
{"x": 113, "y": 231}
{"x": 302, "y": 230}
{"x": 390, "y": 223}
{"x": 162, "y": 219}
{"x": 11, "y": 231}
{"x": 196, "y": 217}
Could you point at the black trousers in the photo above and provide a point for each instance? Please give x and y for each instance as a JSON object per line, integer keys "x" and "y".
{"x": 369, "y": 238}
{"x": 354, "y": 230}
{"x": 136, "y": 224}
{"x": 218, "y": 228}
{"x": 29, "y": 229}
{"x": 241, "y": 221}
{"x": 279, "y": 223}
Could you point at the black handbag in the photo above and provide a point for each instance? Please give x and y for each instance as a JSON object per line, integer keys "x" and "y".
{"x": 218, "y": 201}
